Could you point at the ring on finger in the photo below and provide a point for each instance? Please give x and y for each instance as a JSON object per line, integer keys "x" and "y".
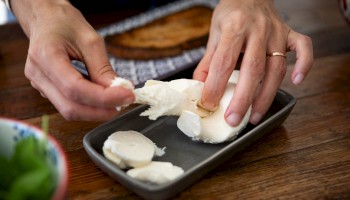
{"x": 276, "y": 53}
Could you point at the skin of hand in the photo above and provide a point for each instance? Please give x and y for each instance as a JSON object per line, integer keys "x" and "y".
{"x": 59, "y": 33}
{"x": 252, "y": 27}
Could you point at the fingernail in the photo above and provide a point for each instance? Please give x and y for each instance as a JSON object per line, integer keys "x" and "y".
{"x": 207, "y": 106}
{"x": 233, "y": 119}
{"x": 255, "y": 118}
{"x": 128, "y": 100}
{"x": 298, "y": 79}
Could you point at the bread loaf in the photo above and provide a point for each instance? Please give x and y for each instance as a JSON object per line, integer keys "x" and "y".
{"x": 164, "y": 37}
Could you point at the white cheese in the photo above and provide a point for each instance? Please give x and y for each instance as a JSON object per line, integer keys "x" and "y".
{"x": 156, "y": 172}
{"x": 214, "y": 128}
{"x": 122, "y": 82}
{"x": 130, "y": 149}
{"x": 170, "y": 98}
{"x": 181, "y": 97}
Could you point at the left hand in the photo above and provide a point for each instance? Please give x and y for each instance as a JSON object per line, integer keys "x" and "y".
{"x": 255, "y": 28}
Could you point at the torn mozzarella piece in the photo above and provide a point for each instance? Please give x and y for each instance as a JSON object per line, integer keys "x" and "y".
{"x": 122, "y": 82}
{"x": 214, "y": 128}
{"x": 170, "y": 98}
{"x": 180, "y": 97}
{"x": 130, "y": 149}
{"x": 156, "y": 172}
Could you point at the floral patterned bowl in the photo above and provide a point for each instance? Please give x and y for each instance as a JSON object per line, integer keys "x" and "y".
{"x": 11, "y": 133}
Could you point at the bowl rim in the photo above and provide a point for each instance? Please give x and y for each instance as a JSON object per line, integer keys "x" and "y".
{"x": 62, "y": 187}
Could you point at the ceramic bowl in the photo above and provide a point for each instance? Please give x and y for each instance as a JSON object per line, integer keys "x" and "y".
{"x": 12, "y": 131}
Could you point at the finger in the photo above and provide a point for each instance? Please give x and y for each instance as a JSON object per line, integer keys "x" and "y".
{"x": 70, "y": 110}
{"x": 222, "y": 64}
{"x": 201, "y": 71}
{"x": 95, "y": 57}
{"x": 275, "y": 72}
{"x": 251, "y": 73}
{"x": 302, "y": 45}
{"x": 74, "y": 87}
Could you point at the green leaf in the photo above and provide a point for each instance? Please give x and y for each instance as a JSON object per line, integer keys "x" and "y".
{"x": 7, "y": 173}
{"x": 29, "y": 154}
{"x": 35, "y": 184}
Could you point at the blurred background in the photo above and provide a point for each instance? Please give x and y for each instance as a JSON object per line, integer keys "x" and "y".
{"x": 5, "y": 15}
{"x": 92, "y": 8}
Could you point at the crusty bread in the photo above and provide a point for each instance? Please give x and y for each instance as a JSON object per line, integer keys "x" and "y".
{"x": 164, "y": 37}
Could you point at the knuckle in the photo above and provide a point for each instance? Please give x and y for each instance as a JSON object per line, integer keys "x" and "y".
{"x": 224, "y": 64}
{"x": 102, "y": 101}
{"x": 92, "y": 39}
{"x": 29, "y": 71}
{"x": 32, "y": 66}
{"x": 34, "y": 49}
{"x": 306, "y": 39}
{"x": 70, "y": 91}
{"x": 264, "y": 23}
{"x": 235, "y": 21}
{"x": 68, "y": 112}
{"x": 37, "y": 51}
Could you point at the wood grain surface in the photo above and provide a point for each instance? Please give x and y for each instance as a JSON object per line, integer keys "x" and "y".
{"x": 308, "y": 157}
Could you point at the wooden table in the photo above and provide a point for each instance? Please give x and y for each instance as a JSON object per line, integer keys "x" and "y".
{"x": 308, "y": 157}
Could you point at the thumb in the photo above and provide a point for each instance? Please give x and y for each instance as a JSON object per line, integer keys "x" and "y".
{"x": 102, "y": 74}
{"x": 98, "y": 65}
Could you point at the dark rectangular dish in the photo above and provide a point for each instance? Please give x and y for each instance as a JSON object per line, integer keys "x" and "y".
{"x": 195, "y": 158}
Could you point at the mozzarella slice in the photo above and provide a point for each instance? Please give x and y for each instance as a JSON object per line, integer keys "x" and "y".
{"x": 156, "y": 172}
{"x": 130, "y": 149}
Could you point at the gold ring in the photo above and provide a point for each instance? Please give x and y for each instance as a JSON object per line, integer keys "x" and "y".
{"x": 276, "y": 53}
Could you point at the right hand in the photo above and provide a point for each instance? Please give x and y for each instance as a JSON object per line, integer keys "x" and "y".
{"x": 255, "y": 28}
{"x": 59, "y": 33}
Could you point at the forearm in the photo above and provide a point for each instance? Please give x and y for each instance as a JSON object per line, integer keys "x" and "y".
{"x": 29, "y": 13}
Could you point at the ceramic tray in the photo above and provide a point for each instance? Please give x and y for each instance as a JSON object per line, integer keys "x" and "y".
{"x": 195, "y": 158}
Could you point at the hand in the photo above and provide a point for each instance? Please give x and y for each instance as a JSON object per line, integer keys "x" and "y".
{"x": 255, "y": 28}
{"x": 58, "y": 33}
